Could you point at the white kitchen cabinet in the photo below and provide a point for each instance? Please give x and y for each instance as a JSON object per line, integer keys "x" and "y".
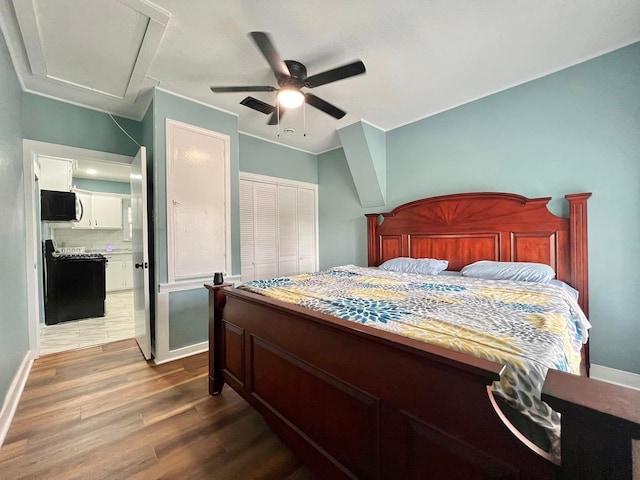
{"x": 114, "y": 273}
{"x": 106, "y": 210}
{"x": 119, "y": 272}
{"x": 128, "y": 272}
{"x": 100, "y": 211}
{"x": 55, "y": 174}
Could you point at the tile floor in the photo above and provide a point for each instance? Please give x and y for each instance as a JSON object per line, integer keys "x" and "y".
{"x": 117, "y": 324}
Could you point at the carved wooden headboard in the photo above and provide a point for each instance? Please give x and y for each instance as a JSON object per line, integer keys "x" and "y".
{"x": 467, "y": 227}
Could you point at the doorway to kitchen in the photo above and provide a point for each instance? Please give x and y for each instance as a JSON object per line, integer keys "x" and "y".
{"x": 101, "y": 180}
{"x": 117, "y": 324}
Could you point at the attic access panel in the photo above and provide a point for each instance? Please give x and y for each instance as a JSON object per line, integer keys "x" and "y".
{"x": 101, "y": 46}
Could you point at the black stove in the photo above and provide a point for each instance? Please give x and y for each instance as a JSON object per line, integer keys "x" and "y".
{"x": 75, "y": 286}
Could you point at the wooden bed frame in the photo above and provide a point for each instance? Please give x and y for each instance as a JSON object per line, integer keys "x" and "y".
{"x": 356, "y": 402}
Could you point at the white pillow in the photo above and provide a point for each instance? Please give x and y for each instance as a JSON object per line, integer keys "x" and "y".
{"x": 425, "y": 266}
{"x": 520, "y": 271}
{"x": 430, "y": 266}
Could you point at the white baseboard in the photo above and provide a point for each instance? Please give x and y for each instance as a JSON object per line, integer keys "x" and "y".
{"x": 617, "y": 377}
{"x": 182, "y": 352}
{"x": 13, "y": 395}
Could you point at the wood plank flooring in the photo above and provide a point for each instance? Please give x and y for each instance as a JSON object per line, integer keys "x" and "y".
{"x": 106, "y": 413}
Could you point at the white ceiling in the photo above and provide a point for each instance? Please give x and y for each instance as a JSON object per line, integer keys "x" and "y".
{"x": 422, "y": 57}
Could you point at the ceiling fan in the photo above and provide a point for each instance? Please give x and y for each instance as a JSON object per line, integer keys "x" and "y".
{"x": 291, "y": 77}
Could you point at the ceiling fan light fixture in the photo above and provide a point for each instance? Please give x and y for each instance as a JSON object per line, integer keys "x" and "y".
{"x": 290, "y": 98}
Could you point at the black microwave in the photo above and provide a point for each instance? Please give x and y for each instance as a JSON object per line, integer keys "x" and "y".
{"x": 58, "y": 206}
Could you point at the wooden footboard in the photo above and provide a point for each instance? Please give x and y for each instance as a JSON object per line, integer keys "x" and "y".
{"x": 358, "y": 403}
{"x": 600, "y": 427}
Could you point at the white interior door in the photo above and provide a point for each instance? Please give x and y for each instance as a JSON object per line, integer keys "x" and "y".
{"x": 140, "y": 246}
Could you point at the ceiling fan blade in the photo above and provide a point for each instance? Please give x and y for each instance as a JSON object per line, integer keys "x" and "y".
{"x": 326, "y": 107}
{"x": 264, "y": 43}
{"x": 346, "y": 71}
{"x": 261, "y": 88}
{"x": 258, "y": 105}
{"x": 274, "y": 119}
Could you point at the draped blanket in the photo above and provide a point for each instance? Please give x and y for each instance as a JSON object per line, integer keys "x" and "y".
{"x": 528, "y": 327}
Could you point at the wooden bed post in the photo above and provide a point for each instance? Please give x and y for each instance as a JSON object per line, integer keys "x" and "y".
{"x": 579, "y": 247}
{"x": 372, "y": 225}
{"x": 579, "y": 259}
{"x": 217, "y": 301}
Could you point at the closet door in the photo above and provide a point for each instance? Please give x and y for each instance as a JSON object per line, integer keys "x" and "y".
{"x": 306, "y": 230}
{"x": 287, "y": 231}
{"x": 278, "y": 227}
{"x": 265, "y": 231}
{"x": 198, "y": 202}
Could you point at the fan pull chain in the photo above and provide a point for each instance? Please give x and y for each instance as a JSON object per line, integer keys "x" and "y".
{"x": 304, "y": 119}
{"x": 278, "y": 115}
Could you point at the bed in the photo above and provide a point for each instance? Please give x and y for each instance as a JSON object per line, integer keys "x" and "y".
{"x": 358, "y": 402}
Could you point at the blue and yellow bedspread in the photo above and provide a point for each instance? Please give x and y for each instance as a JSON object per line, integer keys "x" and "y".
{"x": 528, "y": 327}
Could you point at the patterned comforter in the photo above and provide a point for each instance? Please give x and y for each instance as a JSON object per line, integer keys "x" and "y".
{"x": 528, "y": 327}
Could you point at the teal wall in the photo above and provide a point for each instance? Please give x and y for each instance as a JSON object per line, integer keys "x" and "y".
{"x": 266, "y": 158}
{"x": 102, "y": 186}
{"x": 52, "y": 121}
{"x": 14, "y": 326}
{"x": 48, "y": 120}
{"x": 377, "y": 143}
{"x": 365, "y": 150}
{"x": 342, "y": 226}
{"x": 168, "y": 106}
{"x": 165, "y": 105}
{"x": 187, "y": 310}
{"x": 577, "y": 130}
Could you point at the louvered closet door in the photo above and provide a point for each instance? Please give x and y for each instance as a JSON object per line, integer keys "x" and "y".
{"x": 287, "y": 230}
{"x": 306, "y": 231}
{"x": 265, "y": 232}
{"x": 277, "y": 229}
{"x": 247, "y": 227}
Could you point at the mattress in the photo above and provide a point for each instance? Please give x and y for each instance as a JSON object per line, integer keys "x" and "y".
{"x": 528, "y": 327}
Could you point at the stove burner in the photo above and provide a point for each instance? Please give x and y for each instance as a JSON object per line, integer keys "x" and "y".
{"x": 77, "y": 256}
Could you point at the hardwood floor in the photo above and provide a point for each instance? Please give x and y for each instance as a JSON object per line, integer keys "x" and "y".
{"x": 105, "y": 413}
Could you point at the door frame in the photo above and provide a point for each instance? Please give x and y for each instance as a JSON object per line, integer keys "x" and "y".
{"x": 31, "y": 149}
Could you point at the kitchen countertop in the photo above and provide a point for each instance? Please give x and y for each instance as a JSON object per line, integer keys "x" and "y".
{"x": 113, "y": 252}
